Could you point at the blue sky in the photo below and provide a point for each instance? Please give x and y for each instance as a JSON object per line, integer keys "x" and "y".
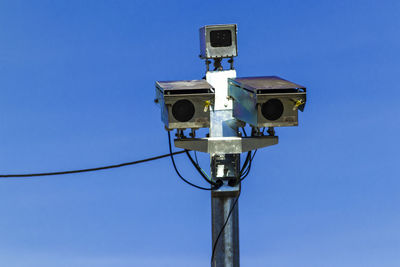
{"x": 77, "y": 89}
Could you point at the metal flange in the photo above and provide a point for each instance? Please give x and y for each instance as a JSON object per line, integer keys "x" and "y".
{"x": 226, "y": 145}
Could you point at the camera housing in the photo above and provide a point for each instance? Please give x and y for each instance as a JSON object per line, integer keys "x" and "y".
{"x": 185, "y": 104}
{"x": 267, "y": 101}
{"x": 218, "y": 41}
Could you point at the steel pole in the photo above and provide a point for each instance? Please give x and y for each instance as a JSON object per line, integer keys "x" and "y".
{"x": 224, "y": 167}
{"x": 226, "y": 252}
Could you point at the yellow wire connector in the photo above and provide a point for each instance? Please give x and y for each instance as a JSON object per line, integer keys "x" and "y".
{"x": 297, "y": 104}
{"x": 207, "y": 105}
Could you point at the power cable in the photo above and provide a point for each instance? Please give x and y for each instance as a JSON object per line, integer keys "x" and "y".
{"x": 90, "y": 169}
{"x": 246, "y": 162}
{"x": 176, "y": 169}
{"x": 247, "y": 171}
{"x": 197, "y": 162}
{"x": 200, "y": 171}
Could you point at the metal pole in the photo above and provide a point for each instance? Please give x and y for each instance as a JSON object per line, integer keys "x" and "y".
{"x": 225, "y": 167}
{"x": 227, "y": 249}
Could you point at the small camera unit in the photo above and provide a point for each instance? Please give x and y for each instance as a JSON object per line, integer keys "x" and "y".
{"x": 218, "y": 41}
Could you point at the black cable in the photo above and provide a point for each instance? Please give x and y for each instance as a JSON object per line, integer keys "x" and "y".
{"x": 90, "y": 169}
{"x": 246, "y": 162}
{"x": 195, "y": 157}
{"x": 248, "y": 157}
{"x": 247, "y": 171}
{"x": 197, "y": 167}
{"x": 254, "y": 154}
{"x": 250, "y": 163}
{"x": 176, "y": 169}
{"x": 244, "y": 132}
{"x": 225, "y": 223}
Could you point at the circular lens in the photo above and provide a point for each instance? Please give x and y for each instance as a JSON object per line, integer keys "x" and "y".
{"x": 183, "y": 110}
{"x": 272, "y": 109}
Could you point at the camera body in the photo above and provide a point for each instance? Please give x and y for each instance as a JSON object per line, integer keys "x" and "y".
{"x": 218, "y": 41}
{"x": 185, "y": 104}
{"x": 267, "y": 101}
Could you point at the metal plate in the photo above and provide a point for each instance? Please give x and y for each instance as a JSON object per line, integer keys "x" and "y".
{"x": 226, "y": 145}
{"x": 259, "y": 84}
{"x": 185, "y": 87}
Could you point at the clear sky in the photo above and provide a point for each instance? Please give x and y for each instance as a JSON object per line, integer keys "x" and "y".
{"x": 77, "y": 89}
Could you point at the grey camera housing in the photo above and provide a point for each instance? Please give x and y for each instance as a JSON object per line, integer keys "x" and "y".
{"x": 267, "y": 101}
{"x": 218, "y": 41}
{"x": 173, "y": 98}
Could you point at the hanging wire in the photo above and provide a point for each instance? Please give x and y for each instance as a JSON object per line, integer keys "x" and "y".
{"x": 176, "y": 169}
{"x": 90, "y": 169}
{"x": 197, "y": 162}
{"x": 199, "y": 169}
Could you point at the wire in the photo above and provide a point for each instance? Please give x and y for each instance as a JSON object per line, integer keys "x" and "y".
{"x": 225, "y": 223}
{"x": 248, "y": 157}
{"x": 247, "y": 171}
{"x": 195, "y": 157}
{"x": 244, "y": 131}
{"x": 176, "y": 169}
{"x": 88, "y": 170}
{"x": 255, "y": 151}
{"x": 196, "y": 165}
{"x": 246, "y": 162}
{"x": 197, "y": 162}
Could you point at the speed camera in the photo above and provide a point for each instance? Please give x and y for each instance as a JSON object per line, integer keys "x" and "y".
{"x": 185, "y": 104}
{"x": 218, "y": 41}
{"x": 268, "y": 101}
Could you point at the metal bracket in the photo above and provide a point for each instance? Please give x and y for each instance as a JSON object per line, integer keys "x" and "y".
{"x": 226, "y": 145}
{"x": 226, "y": 190}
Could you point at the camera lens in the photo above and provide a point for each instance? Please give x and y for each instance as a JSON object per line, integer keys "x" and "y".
{"x": 272, "y": 109}
{"x": 221, "y": 38}
{"x": 183, "y": 110}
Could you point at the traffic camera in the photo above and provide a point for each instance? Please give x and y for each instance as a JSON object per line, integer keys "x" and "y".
{"x": 218, "y": 41}
{"x": 268, "y": 101}
{"x": 185, "y": 104}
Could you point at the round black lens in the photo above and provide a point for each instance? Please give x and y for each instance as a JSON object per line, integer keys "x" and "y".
{"x": 272, "y": 109}
{"x": 183, "y": 110}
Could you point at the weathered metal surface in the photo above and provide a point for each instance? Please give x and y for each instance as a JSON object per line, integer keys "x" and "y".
{"x": 226, "y": 145}
{"x": 224, "y": 166}
{"x": 196, "y": 85}
{"x": 219, "y": 80}
{"x": 227, "y": 249}
{"x": 199, "y": 92}
{"x": 222, "y": 123}
{"x": 265, "y": 83}
{"x": 249, "y": 94}
{"x": 208, "y": 51}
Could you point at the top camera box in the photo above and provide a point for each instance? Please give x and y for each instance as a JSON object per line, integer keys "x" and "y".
{"x": 218, "y": 41}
